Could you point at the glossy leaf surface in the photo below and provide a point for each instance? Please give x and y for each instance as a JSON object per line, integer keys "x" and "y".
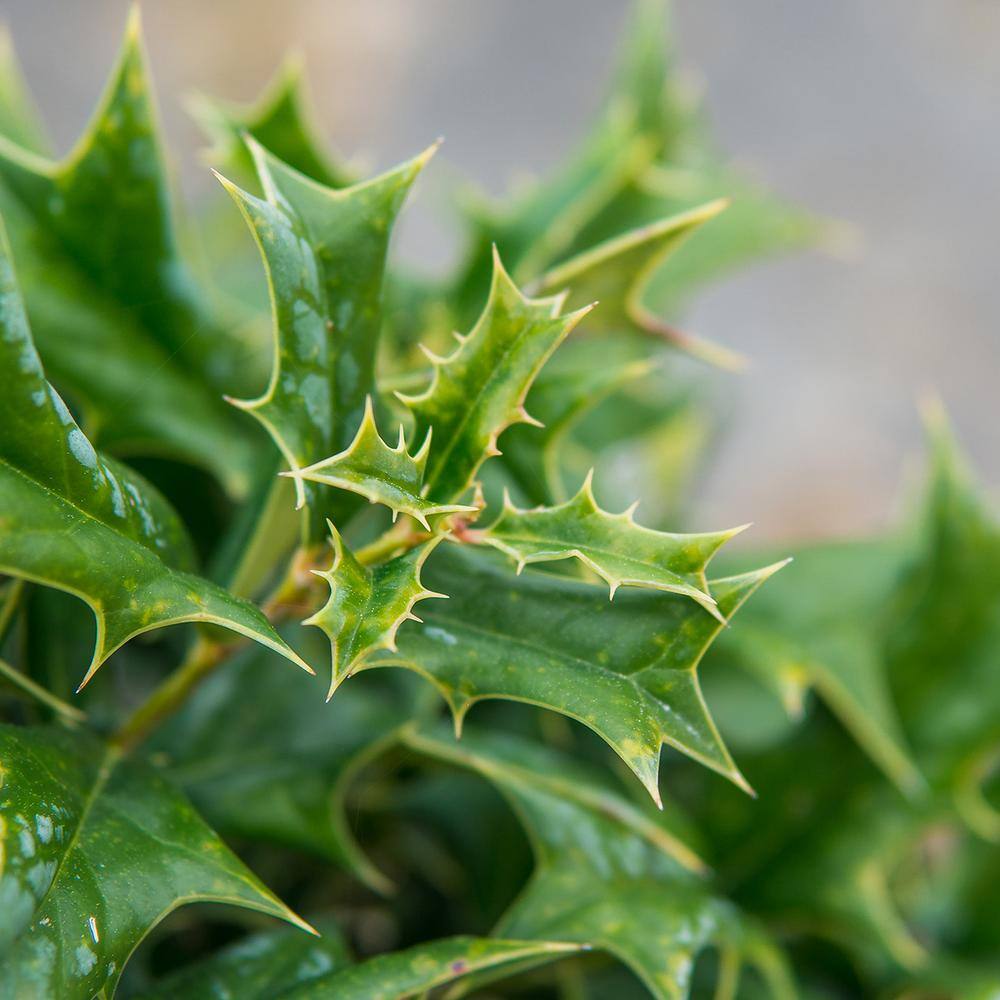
{"x": 118, "y": 315}
{"x": 626, "y": 669}
{"x": 367, "y": 606}
{"x": 73, "y": 520}
{"x": 97, "y": 851}
{"x": 324, "y": 253}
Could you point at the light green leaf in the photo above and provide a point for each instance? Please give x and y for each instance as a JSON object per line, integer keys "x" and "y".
{"x": 19, "y": 119}
{"x": 626, "y": 669}
{"x": 97, "y": 851}
{"x": 541, "y": 222}
{"x": 279, "y": 120}
{"x": 617, "y": 273}
{"x": 944, "y": 634}
{"x": 73, "y": 520}
{"x": 608, "y": 874}
{"x": 324, "y": 252}
{"x": 617, "y": 549}
{"x": 367, "y": 606}
{"x": 572, "y": 384}
{"x": 119, "y": 318}
{"x": 478, "y": 391}
{"x": 389, "y": 476}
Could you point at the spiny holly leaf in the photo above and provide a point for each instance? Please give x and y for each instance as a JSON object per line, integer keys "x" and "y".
{"x": 324, "y": 251}
{"x": 607, "y": 874}
{"x": 478, "y": 391}
{"x": 542, "y": 222}
{"x": 617, "y": 549}
{"x": 279, "y": 120}
{"x": 944, "y": 633}
{"x": 572, "y": 384}
{"x": 367, "y": 606}
{"x": 683, "y": 171}
{"x": 626, "y": 669}
{"x": 119, "y": 318}
{"x": 262, "y": 968}
{"x": 390, "y": 476}
{"x": 73, "y": 520}
{"x": 271, "y": 761}
{"x": 821, "y": 626}
{"x": 97, "y": 851}
{"x": 618, "y": 271}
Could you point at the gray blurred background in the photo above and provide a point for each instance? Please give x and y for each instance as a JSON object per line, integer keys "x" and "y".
{"x": 880, "y": 113}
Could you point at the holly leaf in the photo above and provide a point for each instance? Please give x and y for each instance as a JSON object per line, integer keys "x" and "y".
{"x": 541, "y": 222}
{"x": 281, "y": 967}
{"x": 324, "y": 252}
{"x": 120, "y": 320}
{"x": 262, "y": 966}
{"x": 617, "y": 549}
{"x": 570, "y": 386}
{"x": 97, "y": 851}
{"x": 617, "y": 274}
{"x": 367, "y": 606}
{"x": 608, "y": 874}
{"x": 627, "y": 669}
{"x": 389, "y": 476}
{"x": 268, "y": 760}
{"x": 87, "y": 525}
{"x": 820, "y": 627}
{"x": 280, "y": 120}
{"x": 944, "y": 630}
{"x": 478, "y": 391}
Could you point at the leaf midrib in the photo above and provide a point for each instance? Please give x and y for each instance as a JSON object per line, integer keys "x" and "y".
{"x": 571, "y": 548}
{"x": 59, "y": 497}
{"x": 109, "y": 760}
{"x": 460, "y": 428}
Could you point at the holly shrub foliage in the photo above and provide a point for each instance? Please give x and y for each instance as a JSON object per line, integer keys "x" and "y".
{"x": 849, "y": 853}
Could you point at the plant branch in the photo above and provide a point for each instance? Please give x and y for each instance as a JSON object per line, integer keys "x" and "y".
{"x": 293, "y": 597}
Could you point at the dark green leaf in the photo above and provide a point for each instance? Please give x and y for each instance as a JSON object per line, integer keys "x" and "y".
{"x": 73, "y": 520}
{"x": 626, "y": 669}
{"x": 96, "y": 852}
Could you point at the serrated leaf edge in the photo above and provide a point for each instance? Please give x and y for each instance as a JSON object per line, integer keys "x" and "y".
{"x": 368, "y": 431}
{"x": 388, "y": 638}
{"x": 702, "y": 597}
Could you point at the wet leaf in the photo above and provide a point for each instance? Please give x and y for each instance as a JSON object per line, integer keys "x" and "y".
{"x": 324, "y": 253}
{"x": 120, "y": 320}
{"x": 97, "y": 851}
{"x": 87, "y": 525}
